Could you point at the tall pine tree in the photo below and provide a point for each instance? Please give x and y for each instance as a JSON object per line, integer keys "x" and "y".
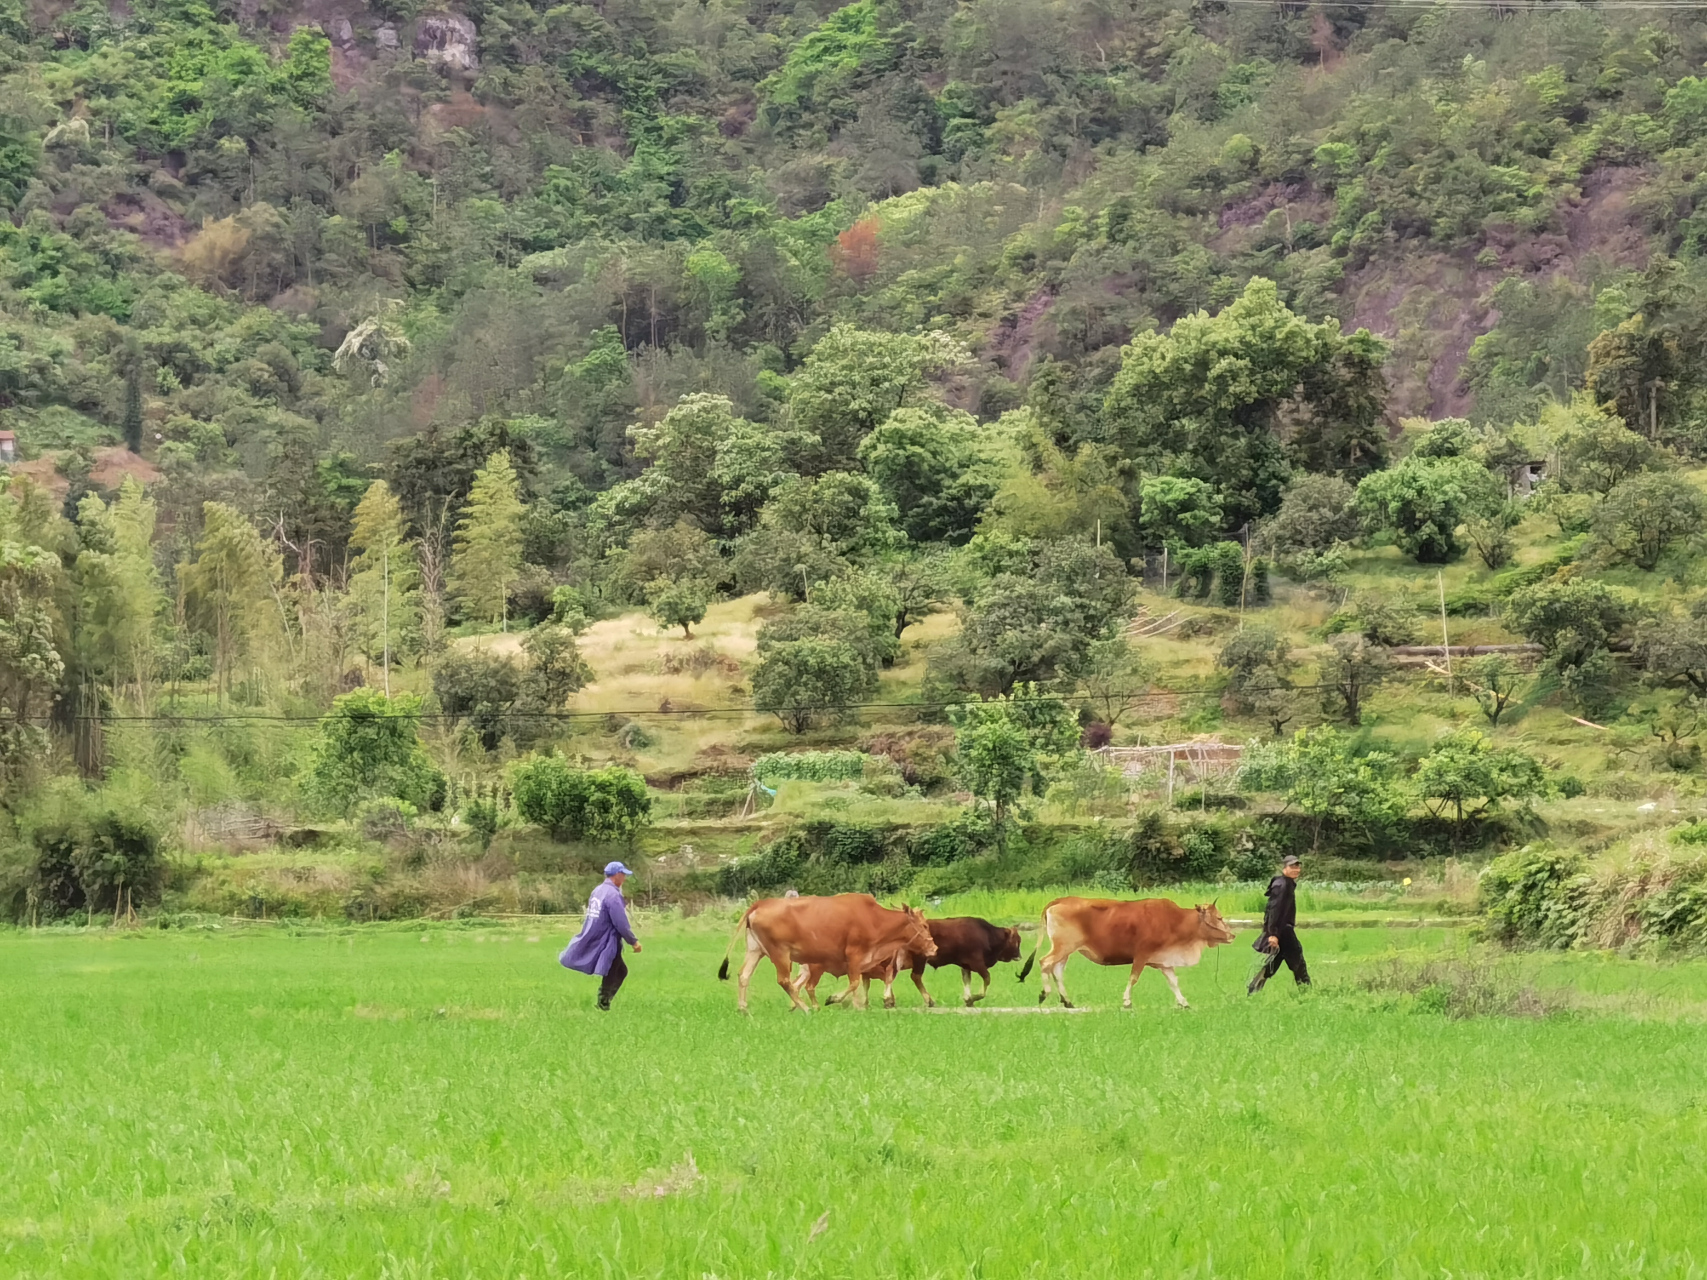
{"x": 488, "y": 546}
{"x": 384, "y": 578}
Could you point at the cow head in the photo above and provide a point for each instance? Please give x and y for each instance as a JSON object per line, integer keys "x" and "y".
{"x": 1010, "y": 945}
{"x": 919, "y": 941}
{"x": 1211, "y": 928}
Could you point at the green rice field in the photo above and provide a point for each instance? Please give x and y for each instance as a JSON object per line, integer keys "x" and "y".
{"x": 446, "y": 1101}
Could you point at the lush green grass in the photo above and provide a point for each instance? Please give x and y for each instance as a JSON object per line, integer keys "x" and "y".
{"x": 445, "y": 1101}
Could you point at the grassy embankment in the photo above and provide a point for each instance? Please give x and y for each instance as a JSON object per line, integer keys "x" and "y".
{"x": 444, "y": 1101}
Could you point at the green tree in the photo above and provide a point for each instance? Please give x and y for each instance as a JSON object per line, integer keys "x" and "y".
{"x": 1596, "y": 449}
{"x": 1574, "y": 622}
{"x": 918, "y": 583}
{"x": 555, "y": 665}
{"x": 230, "y": 591}
{"x": 369, "y": 747}
{"x": 1350, "y": 670}
{"x": 1672, "y": 648}
{"x": 601, "y": 805}
{"x": 1465, "y": 768}
{"x": 1317, "y": 513}
{"x": 677, "y": 602}
{"x": 1321, "y": 775}
{"x": 30, "y": 661}
{"x": 384, "y": 577}
{"x": 1115, "y": 680}
{"x": 866, "y": 594}
{"x": 1490, "y": 533}
{"x": 1496, "y": 682}
{"x": 684, "y": 449}
{"x": 930, "y": 466}
{"x": 1178, "y": 512}
{"x": 1037, "y": 625}
{"x": 130, "y": 424}
{"x": 1205, "y": 401}
{"x": 118, "y": 590}
{"x": 811, "y": 681}
{"x": 488, "y": 546}
{"x": 478, "y": 690}
{"x": 1005, "y": 744}
{"x": 853, "y": 379}
{"x": 1646, "y": 515}
{"x": 1423, "y": 501}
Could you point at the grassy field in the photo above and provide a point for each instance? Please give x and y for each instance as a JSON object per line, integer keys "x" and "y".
{"x": 445, "y": 1101}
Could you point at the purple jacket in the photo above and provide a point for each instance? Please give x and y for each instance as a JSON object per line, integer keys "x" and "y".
{"x": 593, "y": 949}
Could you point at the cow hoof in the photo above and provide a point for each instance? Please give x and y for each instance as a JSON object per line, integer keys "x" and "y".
{"x": 929, "y": 1003}
{"x": 1067, "y": 1004}
{"x": 1042, "y": 997}
{"x": 889, "y": 1003}
{"x": 1127, "y": 1006}
{"x": 1184, "y": 1006}
{"x": 972, "y": 1000}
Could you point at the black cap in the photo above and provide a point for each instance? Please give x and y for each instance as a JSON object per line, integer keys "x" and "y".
{"x": 1291, "y": 860}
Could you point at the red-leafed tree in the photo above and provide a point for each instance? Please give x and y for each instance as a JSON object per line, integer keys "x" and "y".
{"x": 857, "y": 249}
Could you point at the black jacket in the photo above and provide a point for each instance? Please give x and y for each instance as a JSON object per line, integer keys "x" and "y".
{"x": 1282, "y": 912}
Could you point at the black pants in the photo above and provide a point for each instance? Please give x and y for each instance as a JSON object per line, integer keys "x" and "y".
{"x": 1291, "y": 954}
{"x": 612, "y": 981}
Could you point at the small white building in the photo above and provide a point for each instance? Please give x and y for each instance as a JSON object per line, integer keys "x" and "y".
{"x": 8, "y": 447}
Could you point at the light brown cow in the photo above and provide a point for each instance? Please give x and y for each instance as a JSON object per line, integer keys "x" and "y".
{"x": 849, "y": 933}
{"x": 966, "y": 941}
{"x": 1150, "y": 933}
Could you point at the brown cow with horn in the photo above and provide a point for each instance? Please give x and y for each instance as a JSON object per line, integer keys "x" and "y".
{"x": 1150, "y": 933}
{"x": 849, "y": 933}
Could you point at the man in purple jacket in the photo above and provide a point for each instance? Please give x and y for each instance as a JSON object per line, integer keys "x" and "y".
{"x": 597, "y": 949}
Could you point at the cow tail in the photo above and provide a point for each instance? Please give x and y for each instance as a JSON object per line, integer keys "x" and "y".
{"x": 1030, "y": 959}
{"x": 740, "y": 928}
{"x": 1042, "y": 933}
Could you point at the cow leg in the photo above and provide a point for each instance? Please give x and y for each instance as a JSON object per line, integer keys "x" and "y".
{"x": 1126, "y": 1001}
{"x": 1179, "y": 999}
{"x": 889, "y": 988}
{"x": 919, "y": 982}
{"x": 785, "y": 979}
{"x": 808, "y": 983}
{"x": 984, "y": 974}
{"x": 854, "y": 996}
{"x": 1061, "y": 982}
{"x": 966, "y": 986}
{"x": 755, "y": 953}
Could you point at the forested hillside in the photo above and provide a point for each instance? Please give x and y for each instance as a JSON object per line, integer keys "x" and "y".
{"x": 984, "y": 381}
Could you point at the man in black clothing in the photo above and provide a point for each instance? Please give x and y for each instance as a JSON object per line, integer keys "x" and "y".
{"x": 1279, "y": 938}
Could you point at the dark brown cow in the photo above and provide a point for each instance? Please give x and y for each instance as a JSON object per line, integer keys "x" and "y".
{"x": 1150, "y": 933}
{"x": 850, "y": 933}
{"x": 972, "y": 944}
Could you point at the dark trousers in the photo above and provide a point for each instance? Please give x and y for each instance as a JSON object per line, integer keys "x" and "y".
{"x": 1291, "y": 954}
{"x": 612, "y": 981}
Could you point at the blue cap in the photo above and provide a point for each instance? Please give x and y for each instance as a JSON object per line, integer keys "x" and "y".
{"x": 616, "y": 868}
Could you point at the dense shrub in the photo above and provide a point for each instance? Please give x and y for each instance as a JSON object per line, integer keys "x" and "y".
{"x": 580, "y": 804}
{"x": 87, "y": 857}
{"x": 1535, "y": 896}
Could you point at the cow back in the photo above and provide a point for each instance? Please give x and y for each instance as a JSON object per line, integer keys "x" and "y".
{"x": 1120, "y": 932}
{"x": 969, "y": 941}
{"x": 826, "y": 930}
